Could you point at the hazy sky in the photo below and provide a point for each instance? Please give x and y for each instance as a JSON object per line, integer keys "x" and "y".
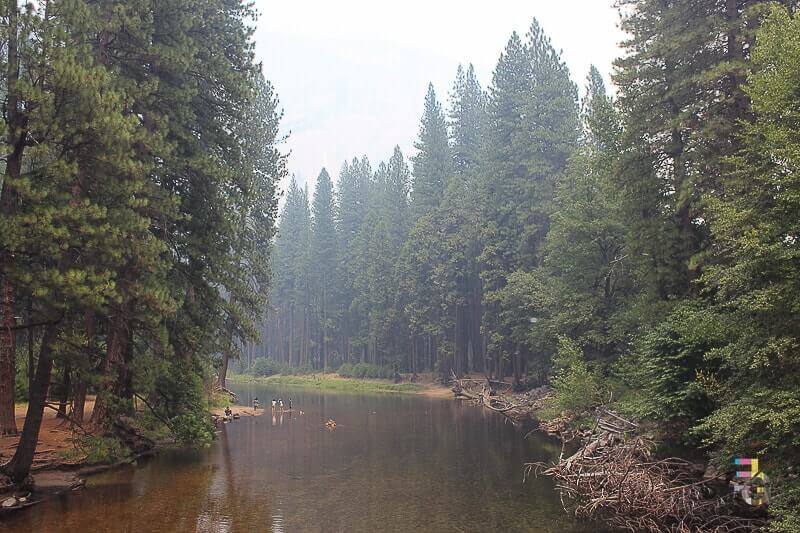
{"x": 352, "y": 74}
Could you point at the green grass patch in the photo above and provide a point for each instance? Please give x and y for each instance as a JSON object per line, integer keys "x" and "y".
{"x": 220, "y": 399}
{"x": 72, "y": 455}
{"x": 334, "y": 384}
{"x": 103, "y": 450}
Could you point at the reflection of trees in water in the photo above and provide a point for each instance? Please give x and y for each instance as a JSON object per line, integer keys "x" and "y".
{"x": 165, "y": 493}
{"x": 401, "y": 462}
{"x": 232, "y": 504}
{"x": 393, "y": 463}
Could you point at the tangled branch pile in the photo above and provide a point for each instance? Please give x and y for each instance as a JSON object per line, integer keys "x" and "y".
{"x": 498, "y": 396}
{"x": 615, "y": 477}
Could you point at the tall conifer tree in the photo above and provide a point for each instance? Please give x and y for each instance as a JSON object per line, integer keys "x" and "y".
{"x": 324, "y": 256}
{"x": 433, "y": 161}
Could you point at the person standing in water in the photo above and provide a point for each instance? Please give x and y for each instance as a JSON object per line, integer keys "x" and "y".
{"x": 273, "y": 404}
{"x": 255, "y": 402}
{"x": 290, "y": 404}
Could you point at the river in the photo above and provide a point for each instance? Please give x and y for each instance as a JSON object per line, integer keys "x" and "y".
{"x": 393, "y": 463}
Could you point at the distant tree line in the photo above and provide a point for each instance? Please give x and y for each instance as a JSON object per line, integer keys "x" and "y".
{"x": 139, "y": 171}
{"x": 654, "y": 233}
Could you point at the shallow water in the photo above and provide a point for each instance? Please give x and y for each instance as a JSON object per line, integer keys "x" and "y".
{"x": 393, "y": 463}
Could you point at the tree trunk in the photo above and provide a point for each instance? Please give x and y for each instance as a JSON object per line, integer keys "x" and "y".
{"x": 79, "y": 396}
{"x": 324, "y": 336}
{"x": 8, "y": 422}
{"x": 19, "y": 466}
{"x": 31, "y": 361}
{"x": 223, "y": 369}
{"x": 64, "y": 398}
{"x": 79, "y": 400}
{"x": 112, "y": 371}
{"x": 291, "y": 334}
{"x": 517, "y": 367}
{"x": 413, "y": 355}
{"x": 15, "y": 138}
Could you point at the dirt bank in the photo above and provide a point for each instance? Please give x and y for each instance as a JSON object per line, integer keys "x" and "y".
{"x": 57, "y": 446}
{"x": 241, "y": 410}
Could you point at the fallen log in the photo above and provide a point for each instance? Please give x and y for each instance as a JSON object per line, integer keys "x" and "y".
{"x": 230, "y": 393}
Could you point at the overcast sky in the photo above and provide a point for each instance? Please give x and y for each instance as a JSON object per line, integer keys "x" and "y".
{"x": 352, "y": 74}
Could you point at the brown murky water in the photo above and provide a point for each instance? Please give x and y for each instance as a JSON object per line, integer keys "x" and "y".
{"x": 393, "y": 463}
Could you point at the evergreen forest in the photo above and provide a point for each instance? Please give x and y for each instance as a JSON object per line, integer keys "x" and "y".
{"x": 639, "y": 244}
{"x": 633, "y": 244}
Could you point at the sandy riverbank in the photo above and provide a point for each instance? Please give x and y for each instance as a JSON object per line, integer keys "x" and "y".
{"x": 241, "y": 410}
{"x": 56, "y": 447}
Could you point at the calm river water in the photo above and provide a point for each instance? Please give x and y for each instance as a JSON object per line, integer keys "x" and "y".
{"x": 393, "y": 463}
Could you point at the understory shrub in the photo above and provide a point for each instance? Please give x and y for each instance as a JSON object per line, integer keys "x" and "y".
{"x": 193, "y": 428}
{"x": 265, "y": 366}
{"x": 577, "y": 388}
{"x": 103, "y": 449}
{"x": 365, "y": 371}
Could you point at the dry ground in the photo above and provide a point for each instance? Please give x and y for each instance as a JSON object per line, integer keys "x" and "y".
{"x": 55, "y": 438}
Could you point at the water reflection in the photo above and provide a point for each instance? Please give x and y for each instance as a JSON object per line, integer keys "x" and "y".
{"x": 393, "y": 463}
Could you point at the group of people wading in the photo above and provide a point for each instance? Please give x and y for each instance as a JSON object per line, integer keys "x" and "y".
{"x": 278, "y": 405}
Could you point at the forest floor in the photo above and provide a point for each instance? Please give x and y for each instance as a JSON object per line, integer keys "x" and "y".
{"x": 56, "y": 462}
{"x": 58, "y": 443}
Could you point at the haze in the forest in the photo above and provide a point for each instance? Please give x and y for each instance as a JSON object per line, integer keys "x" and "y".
{"x": 465, "y": 205}
{"x": 352, "y": 74}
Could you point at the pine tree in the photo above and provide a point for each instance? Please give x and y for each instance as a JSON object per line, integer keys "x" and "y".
{"x": 433, "y": 161}
{"x": 754, "y": 277}
{"x": 90, "y": 196}
{"x": 681, "y": 98}
{"x": 375, "y": 270}
{"x": 586, "y": 265}
{"x": 290, "y": 271}
{"x": 467, "y": 121}
{"x": 262, "y": 167}
{"x": 151, "y": 203}
{"x": 532, "y": 130}
{"x": 352, "y": 207}
{"x": 324, "y": 256}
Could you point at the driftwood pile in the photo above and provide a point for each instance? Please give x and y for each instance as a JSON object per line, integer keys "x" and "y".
{"x": 519, "y": 408}
{"x": 615, "y": 477}
{"x": 222, "y": 390}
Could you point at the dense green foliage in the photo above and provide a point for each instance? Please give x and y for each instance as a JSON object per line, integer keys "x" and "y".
{"x": 365, "y": 371}
{"x": 641, "y": 248}
{"x": 576, "y": 387}
{"x": 138, "y": 202}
